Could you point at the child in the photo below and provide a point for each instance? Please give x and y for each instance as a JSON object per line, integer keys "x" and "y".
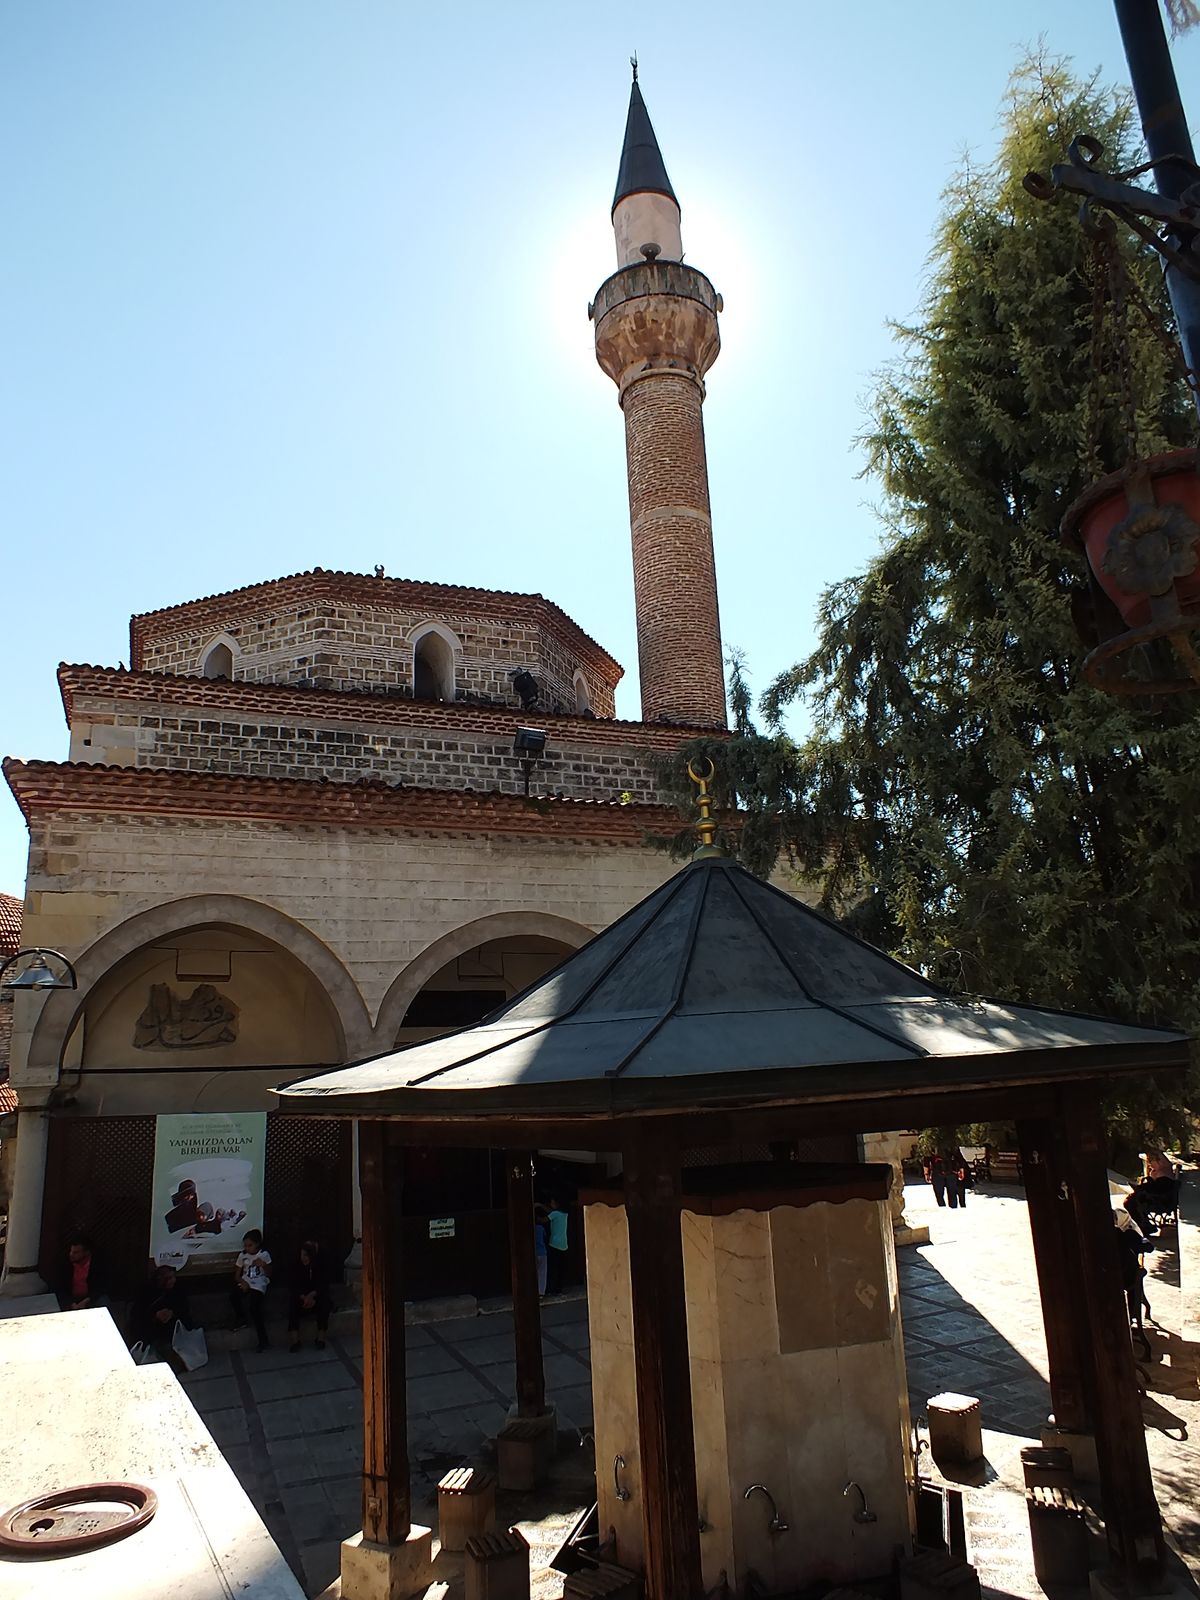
{"x": 251, "y": 1275}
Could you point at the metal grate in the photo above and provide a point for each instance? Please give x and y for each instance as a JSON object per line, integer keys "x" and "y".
{"x": 308, "y": 1187}
{"x": 99, "y": 1172}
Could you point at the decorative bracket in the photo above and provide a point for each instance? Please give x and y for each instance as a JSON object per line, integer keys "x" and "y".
{"x": 1111, "y": 192}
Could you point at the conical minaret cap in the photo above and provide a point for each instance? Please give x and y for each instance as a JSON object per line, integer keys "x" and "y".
{"x": 642, "y": 168}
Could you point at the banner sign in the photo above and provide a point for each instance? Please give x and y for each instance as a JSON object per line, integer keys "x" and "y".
{"x": 208, "y": 1186}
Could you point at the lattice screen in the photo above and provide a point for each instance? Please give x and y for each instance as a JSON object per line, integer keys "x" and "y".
{"x": 99, "y": 1173}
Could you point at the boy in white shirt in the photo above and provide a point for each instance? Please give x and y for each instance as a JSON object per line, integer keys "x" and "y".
{"x": 251, "y": 1275}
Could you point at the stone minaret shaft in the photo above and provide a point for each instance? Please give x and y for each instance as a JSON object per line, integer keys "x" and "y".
{"x": 656, "y": 336}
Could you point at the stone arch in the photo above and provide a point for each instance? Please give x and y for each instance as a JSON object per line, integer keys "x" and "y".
{"x": 63, "y": 1008}
{"x": 218, "y": 657}
{"x": 583, "y": 698}
{"x": 500, "y": 925}
{"x": 436, "y": 655}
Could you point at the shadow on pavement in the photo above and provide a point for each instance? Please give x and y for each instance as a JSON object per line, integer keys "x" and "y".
{"x": 950, "y": 1345}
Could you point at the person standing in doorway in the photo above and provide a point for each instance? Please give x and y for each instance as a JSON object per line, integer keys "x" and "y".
{"x": 251, "y": 1278}
{"x": 556, "y": 1269}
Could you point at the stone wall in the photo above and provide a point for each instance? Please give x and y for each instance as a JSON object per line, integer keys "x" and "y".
{"x": 376, "y": 899}
{"x": 335, "y": 751}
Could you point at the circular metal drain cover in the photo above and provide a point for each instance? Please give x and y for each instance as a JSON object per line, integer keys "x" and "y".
{"x": 77, "y": 1519}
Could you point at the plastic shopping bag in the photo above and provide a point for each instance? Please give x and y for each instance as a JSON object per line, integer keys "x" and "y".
{"x": 190, "y": 1345}
{"x": 143, "y": 1354}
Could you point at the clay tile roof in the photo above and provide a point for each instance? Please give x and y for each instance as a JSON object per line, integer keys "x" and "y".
{"x": 11, "y": 912}
{"x": 8, "y": 1099}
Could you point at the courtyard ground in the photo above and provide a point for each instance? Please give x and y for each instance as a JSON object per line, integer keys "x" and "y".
{"x": 290, "y": 1426}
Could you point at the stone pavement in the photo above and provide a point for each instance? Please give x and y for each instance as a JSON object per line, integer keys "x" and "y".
{"x": 290, "y": 1426}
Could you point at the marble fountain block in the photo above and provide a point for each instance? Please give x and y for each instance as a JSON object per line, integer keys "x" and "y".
{"x": 797, "y": 1376}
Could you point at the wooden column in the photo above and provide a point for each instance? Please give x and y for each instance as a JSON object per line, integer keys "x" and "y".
{"x": 1052, "y": 1224}
{"x": 387, "y": 1498}
{"x": 1131, "y": 1518}
{"x": 670, "y": 1520}
{"x": 527, "y": 1315}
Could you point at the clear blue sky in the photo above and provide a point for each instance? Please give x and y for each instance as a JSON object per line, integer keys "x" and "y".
{"x": 295, "y": 283}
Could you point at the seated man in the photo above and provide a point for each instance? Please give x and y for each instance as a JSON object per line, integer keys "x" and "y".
{"x": 157, "y": 1307}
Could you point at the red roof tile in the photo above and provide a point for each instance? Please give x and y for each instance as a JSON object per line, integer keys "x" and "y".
{"x": 11, "y": 913}
{"x": 56, "y": 786}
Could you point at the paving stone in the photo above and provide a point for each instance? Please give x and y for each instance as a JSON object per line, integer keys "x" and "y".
{"x": 491, "y": 1348}
{"x": 441, "y": 1392}
{"x": 466, "y": 1329}
{"x": 227, "y": 1427}
{"x": 214, "y": 1394}
{"x": 564, "y": 1371}
{"x": 429, "y": 1359}
{"x": 293, "y": 1383}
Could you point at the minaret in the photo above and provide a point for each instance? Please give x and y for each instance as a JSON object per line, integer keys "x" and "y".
{"x": 656, "y": 337}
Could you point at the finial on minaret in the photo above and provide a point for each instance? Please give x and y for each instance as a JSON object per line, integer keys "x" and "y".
{"x": 644, "y": 208}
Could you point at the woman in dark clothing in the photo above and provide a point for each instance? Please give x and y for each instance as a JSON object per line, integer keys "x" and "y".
{"x": 157, "y": 1307}
{"x": 308, "y": 1294}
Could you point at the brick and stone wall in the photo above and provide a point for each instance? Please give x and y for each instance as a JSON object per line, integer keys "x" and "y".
{"x": 376, "y": 897}
{"x": 344, "y": 753}
{"x": 344, "y": 631}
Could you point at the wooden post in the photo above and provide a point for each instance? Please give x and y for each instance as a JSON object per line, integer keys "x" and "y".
{"x": 1052, "y": 1225}
{"x": 1131, "y": 1517}
{"x": 670, "y": 1519}
{"x": 387, "y": 1498}
{"x": 527, "y": 1315}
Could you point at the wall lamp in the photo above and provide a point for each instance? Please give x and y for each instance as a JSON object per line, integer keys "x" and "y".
{"x": 529, "y": 746}
{"x": 38, "y": 974}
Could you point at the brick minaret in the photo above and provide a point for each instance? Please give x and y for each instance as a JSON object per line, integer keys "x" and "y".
{"x": 656, "y": 337}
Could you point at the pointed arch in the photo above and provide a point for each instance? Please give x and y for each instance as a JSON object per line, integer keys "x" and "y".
{"x": 218, "y": 657}
{"x": 437, "y": 653}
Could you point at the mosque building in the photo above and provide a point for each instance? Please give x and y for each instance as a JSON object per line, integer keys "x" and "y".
{"x": 329, "y": 813}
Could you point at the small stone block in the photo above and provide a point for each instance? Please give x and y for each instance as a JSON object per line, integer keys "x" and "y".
{"x": 1047, "y": 1466}
{"x": 604, "y": 1582}
{"x": 466, "y": 1506}
{"x": 496, "y": 1566}
{"x": 387, "y": 1572}
{"x": 934, "y": 1575}
{"x": 1058, "y": 1534}
{"x": 524, "y": 1451}
{"x": 955, "y": 1428}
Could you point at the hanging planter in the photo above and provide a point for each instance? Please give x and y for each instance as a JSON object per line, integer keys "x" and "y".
{"x": 1140, "y": 530}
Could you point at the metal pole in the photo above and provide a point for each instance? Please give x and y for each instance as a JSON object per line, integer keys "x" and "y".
{"x": 1166, "y": 131}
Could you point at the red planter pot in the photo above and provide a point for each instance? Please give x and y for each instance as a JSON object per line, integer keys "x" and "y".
{"x": 1135, "y": 552}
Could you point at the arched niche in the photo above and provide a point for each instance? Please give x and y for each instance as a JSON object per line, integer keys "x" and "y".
{"x": 435, "y": 661}
{"x": 218, "y": 658}
{"x": 544, "y": 936}
{"x": 583, "y": 698}
{"x": 57, "y": 1034}
{"x": 201, "y": 1018}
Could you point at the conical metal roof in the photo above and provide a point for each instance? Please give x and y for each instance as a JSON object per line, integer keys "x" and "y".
{"x": 719, "y": 988}
{"x": 642, "y": 168}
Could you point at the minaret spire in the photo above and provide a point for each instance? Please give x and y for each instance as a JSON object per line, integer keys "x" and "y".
{"x": 642, "y": 169}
